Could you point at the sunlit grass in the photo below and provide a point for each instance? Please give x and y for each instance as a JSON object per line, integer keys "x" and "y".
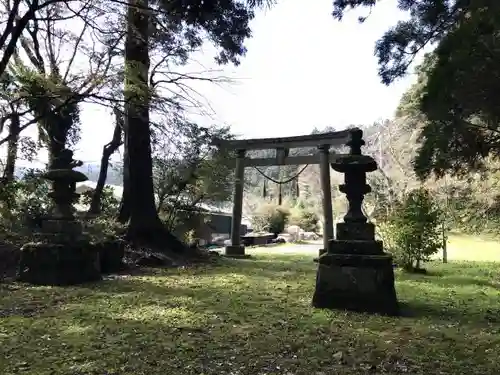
{"x": 474, "y": 248}
{"x": 461, "y": 247}
{"x": 250, "y": 317}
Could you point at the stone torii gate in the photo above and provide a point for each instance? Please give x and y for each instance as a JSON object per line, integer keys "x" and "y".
{"x": 324, "y": 142}
{"x": 354, "y": 272}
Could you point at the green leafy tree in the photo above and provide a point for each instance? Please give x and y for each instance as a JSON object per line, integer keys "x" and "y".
{"x": 415, "y": 229}
{"x": 194, "y": 171}
{"x": 456, "y": 95}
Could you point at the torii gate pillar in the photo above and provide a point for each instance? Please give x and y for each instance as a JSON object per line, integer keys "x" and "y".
{"x": 282, "y": 145}
{"x": 324, "y": 169}
{"x": 236, "y": 249}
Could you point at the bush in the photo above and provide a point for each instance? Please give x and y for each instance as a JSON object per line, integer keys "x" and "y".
{"x": 305, "y": 219}
{"x": 107, "y": 238}
{"x": 189, "y": 237}
{"x": 23, "y": 203}
{"x": 109, "y": 203}
{"x": 271, "y": 218}
{"x": 414, "y": 230}
{"x": 386, "y": 232}
{"x": 102, "y": 229}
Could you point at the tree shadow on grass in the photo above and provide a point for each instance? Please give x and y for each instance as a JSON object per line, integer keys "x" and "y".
{"x": 85, "y": 341}
{"x": 88, "y": 342}
{"x": 160, "y": 324}
{"x": 450, "y": 313}
{"x": 274, "y": 269}
{"x": 276, "y": 264}
{"x": 212, "y": 320}
{"x": 451, "y": 281}
{"x": 446, "y": 296}
{"x": 248, "y": 287}
{"x": 242, "y": 281}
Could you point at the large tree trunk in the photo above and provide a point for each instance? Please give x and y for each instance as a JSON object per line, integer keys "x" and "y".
{"x": 144, "y": 224}
{"x": 137, "y": 135}
{"x": 12, "y": 146}
{"x": 107, "y": 151}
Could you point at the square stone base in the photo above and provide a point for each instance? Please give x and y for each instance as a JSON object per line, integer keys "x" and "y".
{"x": 320, "y": 253}
{"x": 235, "y": 252}
{"x": 59, "y": 264}
{"x": 363, "y": 283}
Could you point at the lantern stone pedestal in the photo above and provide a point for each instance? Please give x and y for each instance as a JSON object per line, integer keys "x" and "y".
{"x": 355, "y": 273}
{"x": 236, "y": 251}
{"x": 61, "y": 254}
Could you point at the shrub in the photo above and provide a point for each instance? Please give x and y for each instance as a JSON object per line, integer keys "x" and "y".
{"x": 305, "y": 219}
{"x": 386, "y": 232}
{"x": 102, "y": 229}
{"x": 414, "y": 229}
{"x": 23, "y": 203}
{"x": 271, "y": 218}
{"x": 109, "y": 203}
{"x": 189, "y": 237}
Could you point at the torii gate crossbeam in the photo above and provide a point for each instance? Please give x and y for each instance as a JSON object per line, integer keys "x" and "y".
{"x": 323, "y": 142}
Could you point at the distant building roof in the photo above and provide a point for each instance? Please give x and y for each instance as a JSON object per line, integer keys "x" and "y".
{"x": 82, "y": 187}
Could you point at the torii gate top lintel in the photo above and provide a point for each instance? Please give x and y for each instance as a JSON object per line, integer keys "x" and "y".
{"x": 351, "y": 137}
{"x": 338, "y": 138}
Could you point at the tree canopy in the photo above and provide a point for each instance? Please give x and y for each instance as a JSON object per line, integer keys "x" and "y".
{"x": 456, "y": 91}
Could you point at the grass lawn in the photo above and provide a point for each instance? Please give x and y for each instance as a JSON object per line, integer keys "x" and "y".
{"x": 466, "y": 247}
{"x": 250, "y": 317}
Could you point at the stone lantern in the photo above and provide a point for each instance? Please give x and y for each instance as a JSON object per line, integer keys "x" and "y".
{"x": 61, "y": 254}
{"x": 355, "y": 273}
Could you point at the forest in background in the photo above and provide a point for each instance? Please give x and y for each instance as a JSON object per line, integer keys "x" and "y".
{"x": 470, "y": 202}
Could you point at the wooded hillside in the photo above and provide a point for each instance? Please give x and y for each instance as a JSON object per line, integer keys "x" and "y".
{"x": 471, "y": 203}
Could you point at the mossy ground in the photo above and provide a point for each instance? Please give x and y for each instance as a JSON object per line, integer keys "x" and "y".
{"x": 250, "y": 317}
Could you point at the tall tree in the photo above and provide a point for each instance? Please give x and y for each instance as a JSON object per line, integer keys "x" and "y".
{"x": 460, "y": 98}
{"x": 144, "y": 221}
{"x": 456, "y": 94}
{"x": 46, "y": 71}
{"x": 12, "y": 117}
{"x": 226, "y": 23}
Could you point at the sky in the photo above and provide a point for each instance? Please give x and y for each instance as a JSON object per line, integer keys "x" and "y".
{"x": 303, "y": 70}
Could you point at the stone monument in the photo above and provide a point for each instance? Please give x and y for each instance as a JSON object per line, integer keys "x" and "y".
{"x": 355, "y": 273}
{"x": 61, "y": 254}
